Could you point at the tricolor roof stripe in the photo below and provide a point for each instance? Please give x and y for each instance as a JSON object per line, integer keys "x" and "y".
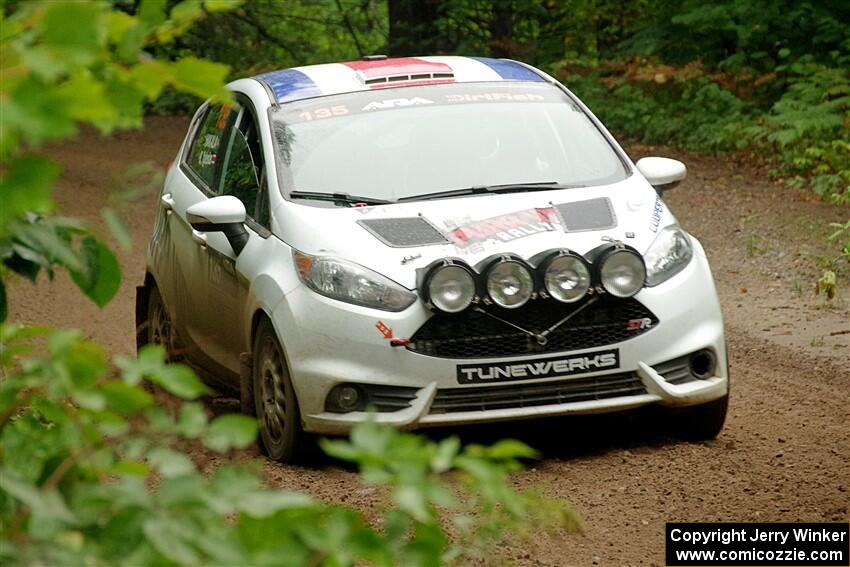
{"x": 335, "y": 78}
{"x": 509, "y": 70}
{"x": 290, "y": 84}
{"x": 402, "y": 66}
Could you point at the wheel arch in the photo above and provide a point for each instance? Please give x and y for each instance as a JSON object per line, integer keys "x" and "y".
{"x": 259, "y": 315}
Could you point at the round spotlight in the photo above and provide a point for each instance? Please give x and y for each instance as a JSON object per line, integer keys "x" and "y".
{"x": 622, "y": 272}
{"x": 566, "y": 277}
{"x": 509, "y": 283}
{"x": 450, "y": 287}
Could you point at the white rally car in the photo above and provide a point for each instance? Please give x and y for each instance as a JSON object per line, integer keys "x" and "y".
{"x": 434, "y": 240}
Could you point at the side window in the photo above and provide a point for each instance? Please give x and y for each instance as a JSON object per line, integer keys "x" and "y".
{"x": 242, "y": 171}
{"x": 208, "y": 142}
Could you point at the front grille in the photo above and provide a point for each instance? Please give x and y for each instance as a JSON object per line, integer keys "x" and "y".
{"x": 676, "y": 371}
{"x": 472, "y": 334}
{"x": 453, "y": 400}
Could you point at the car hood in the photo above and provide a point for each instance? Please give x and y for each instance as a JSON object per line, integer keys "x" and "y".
{"x": 396, "y": 240}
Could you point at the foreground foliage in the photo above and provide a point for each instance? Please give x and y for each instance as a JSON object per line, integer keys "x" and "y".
{"x": 69, "y": 63}
{"x": 93, "y": 471}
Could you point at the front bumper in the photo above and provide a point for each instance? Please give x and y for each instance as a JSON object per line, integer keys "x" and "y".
{"x": 328, "y": 342}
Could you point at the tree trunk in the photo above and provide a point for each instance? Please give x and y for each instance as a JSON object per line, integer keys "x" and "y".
{"x": 413, "y": 29}
{"x": 502, "y": 29}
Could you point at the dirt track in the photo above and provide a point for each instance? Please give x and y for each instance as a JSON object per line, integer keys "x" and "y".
{"x": 785, "y": 452}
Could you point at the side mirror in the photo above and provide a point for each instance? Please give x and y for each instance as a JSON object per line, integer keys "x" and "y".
{"x": 662, "y": 173}
{"x": 221, "y": 214}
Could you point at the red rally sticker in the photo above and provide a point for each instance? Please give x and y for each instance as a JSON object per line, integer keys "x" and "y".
{"x": 386, "y": 331}
{"x": 507, "y": 227}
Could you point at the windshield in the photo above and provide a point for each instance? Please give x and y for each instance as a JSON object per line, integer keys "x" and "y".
{"x": 392, "y": 144}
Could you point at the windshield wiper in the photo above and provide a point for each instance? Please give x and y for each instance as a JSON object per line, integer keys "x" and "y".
{"x": 340, "y": 198}
{"x": 491, "y": 189}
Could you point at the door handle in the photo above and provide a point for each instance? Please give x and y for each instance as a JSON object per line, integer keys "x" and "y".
{"x": 167, "y": 201}
{"x": 200, "y": 238}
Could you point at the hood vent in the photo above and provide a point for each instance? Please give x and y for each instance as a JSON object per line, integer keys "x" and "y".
{"x": 593, "y": 214}
{"x": 404, "y": 232}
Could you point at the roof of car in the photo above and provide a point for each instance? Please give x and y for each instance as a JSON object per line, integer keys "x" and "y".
{"x": 378, "y": 72}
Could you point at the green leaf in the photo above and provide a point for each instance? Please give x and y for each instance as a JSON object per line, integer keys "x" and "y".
{"x": 102, "y": 277}
{"x": 169, "y": 462}
{"x": 117, "y": 228}
{"x": 510, "y": 449}
{"x": 221, "y": 5}
{"x": 193, "y": 419}
{"x": 412, "y": 500}
{"x": 152, "y": 12}
{"x": 43, "y": 62}
{"x": 131, "y": 468}
{"x": 264, "y": 503}
{"x": 118, "y": 23}
{"x": 200, "y": 77}
{"x": 46, "y": 239}
{"x": 229, "y": 431}
{"x": 150, "y": 77}
{"x": 186, "y": 11}
{"x": 74, "y": 29}
{"x": 340, "y": 449}
{"x": 151, "y": 359}
{"x": 179, "y": 380}
{"x": 35, "y": 112}
{"x": 166, "y": 536}
{"x": 45, "y": 502}
{"x": 124, "y": 398}
{"x": 89, "y": 399}
{"x": 26, "y": 187}
{"x": 445, "y": 454}
{"x": 87, "y": 100}
{"x": 131, "y": 42}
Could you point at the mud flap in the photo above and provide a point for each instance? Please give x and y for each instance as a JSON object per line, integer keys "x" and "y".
{"x": 142, "y": 292}
{"x": 246, "y": 384}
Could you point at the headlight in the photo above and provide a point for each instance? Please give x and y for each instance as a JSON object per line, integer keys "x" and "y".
{"x": 509, "y": 283}
{"x": 566, "y": 277}
{"x": 349, "y": 282}
{"x": 449, "y": 286}
{"x": 621, "y": 271}
{"x": 668, "y": 255}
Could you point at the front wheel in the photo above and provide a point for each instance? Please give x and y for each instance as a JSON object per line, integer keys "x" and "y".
{"x": 703, "y": 422}
{"x": 160, "y": 331}
{"x": 281, "y": 433}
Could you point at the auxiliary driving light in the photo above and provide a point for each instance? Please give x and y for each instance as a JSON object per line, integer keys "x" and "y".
{"x": 450, "y": 286}
{"x": 565, "y": 276}
{"x": 344, "y": 398}
{"x": 621, "y": 271}
{"x": 509, "y": 282}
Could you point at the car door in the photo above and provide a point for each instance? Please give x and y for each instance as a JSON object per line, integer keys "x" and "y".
{"x": 184, "y": 257}
{"x": 222, "y": 321}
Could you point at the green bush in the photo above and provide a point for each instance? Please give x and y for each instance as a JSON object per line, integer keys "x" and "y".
{"x": 665, "y": 114}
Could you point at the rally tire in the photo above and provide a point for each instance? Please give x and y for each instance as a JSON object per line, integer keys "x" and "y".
{"x": 282, "y": 436}
{"x": 159, "y": 331}
{"x": 703, "y": 422}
